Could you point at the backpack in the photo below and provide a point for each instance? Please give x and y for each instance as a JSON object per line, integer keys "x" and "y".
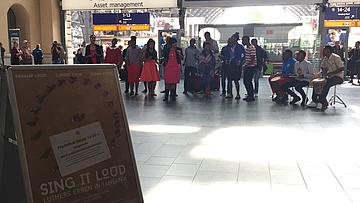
{"x": 39, "y": 55}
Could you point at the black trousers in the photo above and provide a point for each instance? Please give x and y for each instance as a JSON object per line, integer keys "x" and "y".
{"x": 329, "y": 83}
{"x": 354, "y": 68}
{"x": 298, "y": 87}
{"x": 248, "y": 76}
{"x": 189, "y": 78}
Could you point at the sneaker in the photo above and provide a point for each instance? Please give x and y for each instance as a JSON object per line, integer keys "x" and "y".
{"x": 296, "y": 99}
{"x": 312, "y": 105}
{"x": 256, "y": 95}
{"x": 319, "y": 106}
{"x": 304, "y": 102}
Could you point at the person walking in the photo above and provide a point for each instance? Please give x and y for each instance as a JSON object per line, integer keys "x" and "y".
{"x": 38, "y": 55}
{"x": 149, "y": 72}
{"x": 62, "y": 53}
{"x": 172, "y": 56}
{"x": 192, "y": 54}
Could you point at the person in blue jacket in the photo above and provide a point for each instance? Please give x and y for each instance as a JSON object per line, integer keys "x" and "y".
{"x": 234, "y": 58}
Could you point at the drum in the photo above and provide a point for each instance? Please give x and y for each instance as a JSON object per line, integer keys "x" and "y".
{"x": 318, "y": 85}
{"x": 275, "y": 79}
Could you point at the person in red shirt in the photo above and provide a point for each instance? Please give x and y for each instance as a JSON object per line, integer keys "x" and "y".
{"x": 113, "y": 54}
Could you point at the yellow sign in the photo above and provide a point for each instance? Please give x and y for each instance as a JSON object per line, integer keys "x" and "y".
{"x": 134, "y": 27}
{"x": 340, "y": 23}
{"x": 121, "y": 27}
{"x": 105, "y": 27}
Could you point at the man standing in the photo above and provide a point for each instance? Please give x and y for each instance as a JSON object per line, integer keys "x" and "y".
{"x": 38, "y": 55}
{"x": 191, "y": 60}
{"x": 2, "y": 54}
{"x": 354, "y": 62}
{"x": 249, "y": 68}
{"x": 261, "y": 57}
{"x": 235, "y": 58}
{"x": 26, "y": 53}
{"x": 224, "y": 67}
{"x": 339, "y": 50}
{"x": 333, "y": 69}
{"x": 213, "y": 43}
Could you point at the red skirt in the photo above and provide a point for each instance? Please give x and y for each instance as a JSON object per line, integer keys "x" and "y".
{"x": 133, "y": 73}
{"x": 149, "y": 72}
{"x": 172, "y": 72}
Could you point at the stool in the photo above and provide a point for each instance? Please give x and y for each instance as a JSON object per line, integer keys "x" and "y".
{"x": 336, "y": 99}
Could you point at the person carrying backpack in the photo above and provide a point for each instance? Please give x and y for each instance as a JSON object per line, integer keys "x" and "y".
{"x": 38, "y": 55}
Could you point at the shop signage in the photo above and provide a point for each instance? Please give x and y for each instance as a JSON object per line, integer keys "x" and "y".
{"x": 235, "y": 3}
{"x": 116, "y": 4}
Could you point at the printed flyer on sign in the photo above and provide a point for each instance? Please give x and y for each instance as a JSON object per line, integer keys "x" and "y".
{"x": 80, "y": 148}
{"x": 73, "y": 135}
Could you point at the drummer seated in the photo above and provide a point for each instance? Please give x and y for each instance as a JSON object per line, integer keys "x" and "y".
{"x": 276, "y": 81}
{"x": 333, "y": 70}
{"x": 304, "y": 72}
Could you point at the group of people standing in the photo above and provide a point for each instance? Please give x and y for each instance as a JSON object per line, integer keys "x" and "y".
{"x": 24, "y": 55}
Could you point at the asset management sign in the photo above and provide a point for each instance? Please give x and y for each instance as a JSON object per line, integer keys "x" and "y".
{"x": 116, "y": 4}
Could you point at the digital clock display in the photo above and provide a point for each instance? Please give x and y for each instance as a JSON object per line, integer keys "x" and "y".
{"x": 341, "y": 13}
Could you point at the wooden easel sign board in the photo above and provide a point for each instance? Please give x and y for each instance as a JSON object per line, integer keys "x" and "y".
{"x": 73, "y": 135}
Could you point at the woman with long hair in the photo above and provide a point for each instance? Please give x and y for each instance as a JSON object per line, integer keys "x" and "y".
{"x": 150, "y": 73}
{"x": 173, "y": 56}
{"x": 94, "y": 53}
{"x": 133, "y": 65}
{"x": 207, "y": 69}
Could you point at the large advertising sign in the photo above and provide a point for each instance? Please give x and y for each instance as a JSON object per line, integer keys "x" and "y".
{"x": 116, "y": 4}
{"x": 234, "y": 3}
{"x": 73, "y": 135}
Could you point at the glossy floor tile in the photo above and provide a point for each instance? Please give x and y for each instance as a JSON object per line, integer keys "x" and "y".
{"x": 223, "y": 150}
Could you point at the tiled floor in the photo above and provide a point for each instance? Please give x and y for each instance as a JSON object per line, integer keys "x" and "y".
{"x": 219, "y": 150}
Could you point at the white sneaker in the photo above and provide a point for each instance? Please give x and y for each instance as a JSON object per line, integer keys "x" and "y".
{"x": 319, "y": 106}
{"x": 312, "y": 105}
{"x": 256, "y": 95}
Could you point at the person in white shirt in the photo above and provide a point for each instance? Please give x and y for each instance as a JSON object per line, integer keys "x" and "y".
{"x": 304, "y": 72}
{"x": 333, "y": 70}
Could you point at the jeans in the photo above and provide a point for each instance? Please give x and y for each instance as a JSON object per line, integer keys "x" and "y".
{"x": 248, "y": 76}
{"x": 256, "y": 80}
{"x": 189, "y": 78}
{"x": 329, "y": 83}
{"x": 224, "y": 77}
{"x": 298, "y": 87}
